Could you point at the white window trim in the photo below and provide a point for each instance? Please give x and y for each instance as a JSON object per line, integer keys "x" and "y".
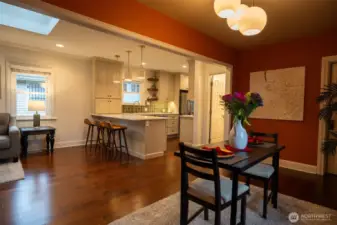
{"x": 11, "y": 90}
{"x": 140, "y": 91}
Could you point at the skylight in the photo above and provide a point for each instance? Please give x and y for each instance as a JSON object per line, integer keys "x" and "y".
{"x": 24, "y": 19}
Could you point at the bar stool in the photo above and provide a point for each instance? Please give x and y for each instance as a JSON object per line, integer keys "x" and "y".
{"x": 119, "y": 130}
{"x": 101, "y": 127}
{"x": 90, "y": 132}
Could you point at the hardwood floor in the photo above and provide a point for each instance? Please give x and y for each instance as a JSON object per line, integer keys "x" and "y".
{"x": 72, "y": 187}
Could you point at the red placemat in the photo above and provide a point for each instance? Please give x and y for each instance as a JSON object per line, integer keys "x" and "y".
{"x": 238, "y": 150}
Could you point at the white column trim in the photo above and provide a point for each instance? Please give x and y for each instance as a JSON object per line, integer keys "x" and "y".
{"x": 326, "y": 67}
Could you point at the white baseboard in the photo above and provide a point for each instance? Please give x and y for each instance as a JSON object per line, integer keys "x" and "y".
{"x": 58, "y": 144}
{"x": 146, "y": 156}
{"x": 65, "y": 144}
{"x": 295, "y": 166}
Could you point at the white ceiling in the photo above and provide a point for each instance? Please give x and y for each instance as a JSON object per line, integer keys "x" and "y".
{"x": 81, "y": 41}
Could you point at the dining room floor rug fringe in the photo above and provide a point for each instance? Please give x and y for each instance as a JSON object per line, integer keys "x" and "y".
{"x": 166, "y": 212}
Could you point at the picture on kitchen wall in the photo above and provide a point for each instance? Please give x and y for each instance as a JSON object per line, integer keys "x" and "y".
{"x": 282, "y": 91}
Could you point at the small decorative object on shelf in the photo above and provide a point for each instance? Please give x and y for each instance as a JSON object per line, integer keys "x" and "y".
{"x": 153, "y": 89}
{"x": 240, "y": 106}
{"x": 153, "y": 79}
{"x": 151, "y": 99}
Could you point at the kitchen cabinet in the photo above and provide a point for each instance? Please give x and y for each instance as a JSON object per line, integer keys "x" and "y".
{"x": 172, "y": 122}
{"x": 186, "y": 129}
{"x": 107, "y": 94}
{"x": 172, "y": 125}
{"x": 105, "y": 73}
{"x": 108, "y": 106}
{"x": 183, "y": 82}
{"x": 166, "y": 87}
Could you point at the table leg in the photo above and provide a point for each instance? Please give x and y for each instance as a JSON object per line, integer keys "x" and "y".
{"x": 24, "y": 145}
{"x": 52, "y": 136}
{"x": 48, "y": 141}
{"x": 276, "y": 159}
{"x": 235, "y": 180}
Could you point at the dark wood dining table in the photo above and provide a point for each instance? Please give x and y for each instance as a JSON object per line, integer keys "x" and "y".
{"x": 245, "y": 160}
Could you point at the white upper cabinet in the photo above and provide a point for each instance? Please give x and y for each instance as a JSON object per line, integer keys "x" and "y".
{"x": 183, "y": 82}
{"x": 166, "y": 87}
{"x": 107, "y": 94}
{"x": 105, "y": 72}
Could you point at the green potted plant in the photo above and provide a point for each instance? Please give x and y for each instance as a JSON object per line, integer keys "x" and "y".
{"x": 328, "y": 97}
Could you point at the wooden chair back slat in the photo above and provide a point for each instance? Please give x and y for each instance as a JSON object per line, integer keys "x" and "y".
{"x": 200, "y": 174}
{"x": 194, "y": 161}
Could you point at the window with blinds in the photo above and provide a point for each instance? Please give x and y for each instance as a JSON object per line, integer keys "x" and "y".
{"x": 30, "y": 87}
{"x": 131, "y": 92}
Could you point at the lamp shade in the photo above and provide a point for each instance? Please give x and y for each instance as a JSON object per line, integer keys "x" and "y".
{"x": 141, "y": 74}
{"x": 226, "y": 8}
{"x": 233, "y": 22}
{"x": 36, "y": 105}
{"x": 253, "y": 21}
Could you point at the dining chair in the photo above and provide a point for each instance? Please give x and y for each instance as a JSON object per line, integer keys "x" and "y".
{"x": 210, "y": 190}
{"x": 261, "y": 171}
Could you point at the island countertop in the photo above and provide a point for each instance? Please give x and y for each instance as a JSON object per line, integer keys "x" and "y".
{"x": 129, "y": 116}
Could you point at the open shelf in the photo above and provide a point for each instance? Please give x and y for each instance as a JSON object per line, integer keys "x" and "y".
{"x": 153, "y": 79}
{"x": 152, "y": 99}
{"x": 152, "y": 89}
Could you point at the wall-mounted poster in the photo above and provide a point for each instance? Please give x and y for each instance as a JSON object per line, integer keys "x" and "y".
{"x": 282, "y": 91}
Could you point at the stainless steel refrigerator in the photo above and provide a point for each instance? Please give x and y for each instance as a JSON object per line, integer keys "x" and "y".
{"x": 186, "y": 107}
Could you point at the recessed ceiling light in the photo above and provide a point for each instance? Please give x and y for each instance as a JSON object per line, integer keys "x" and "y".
{"x": 143, "y": 63}
{"x": 60, "y": 45}
{"x": 184, "y": 66}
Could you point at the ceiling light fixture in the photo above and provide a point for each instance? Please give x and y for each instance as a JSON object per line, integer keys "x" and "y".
{"x": 233, "y": 22}
{"x": 60, "y": 45}
{"x": 142, "y": 72}
{"x": 117, "y": 76}
{"x": 128, "y": 75}
{"x": 226, "y": 8}
{"x": 184, "y": 66}
{"x": 253, "y": 21}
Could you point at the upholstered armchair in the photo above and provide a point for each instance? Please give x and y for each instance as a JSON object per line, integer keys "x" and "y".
{"x": 9, "y": 139}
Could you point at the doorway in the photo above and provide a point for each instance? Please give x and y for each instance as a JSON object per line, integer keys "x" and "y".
{"x": 217, "y": 118}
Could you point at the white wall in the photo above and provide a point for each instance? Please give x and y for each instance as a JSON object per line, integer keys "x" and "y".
{"x": 199, "y": 86}
{"x": 72, "y": 91}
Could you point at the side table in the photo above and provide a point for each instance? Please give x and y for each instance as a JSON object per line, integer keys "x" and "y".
{"x": 26, "y": 131}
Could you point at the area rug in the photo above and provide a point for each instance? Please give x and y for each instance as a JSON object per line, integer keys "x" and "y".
{"x": 10, "y": 171}
{"x": 166, "y": 212}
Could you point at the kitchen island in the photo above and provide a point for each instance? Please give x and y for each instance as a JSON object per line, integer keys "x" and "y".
{"x": 146, "y": 135}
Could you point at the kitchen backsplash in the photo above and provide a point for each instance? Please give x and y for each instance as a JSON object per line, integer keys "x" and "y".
{"x": 153, "y": 107}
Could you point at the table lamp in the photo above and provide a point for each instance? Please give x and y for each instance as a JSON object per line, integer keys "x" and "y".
{"x": 36, "y": 106}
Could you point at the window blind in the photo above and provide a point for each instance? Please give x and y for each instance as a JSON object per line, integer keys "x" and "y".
{"x": 30, "y": 87}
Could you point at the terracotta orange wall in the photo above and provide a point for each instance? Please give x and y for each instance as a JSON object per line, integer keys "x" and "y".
{"x": 134, "y": 16}
{"x": 300, "y": 138}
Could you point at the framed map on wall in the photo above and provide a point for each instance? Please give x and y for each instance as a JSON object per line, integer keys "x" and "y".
{"x": 282, "y": 91}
